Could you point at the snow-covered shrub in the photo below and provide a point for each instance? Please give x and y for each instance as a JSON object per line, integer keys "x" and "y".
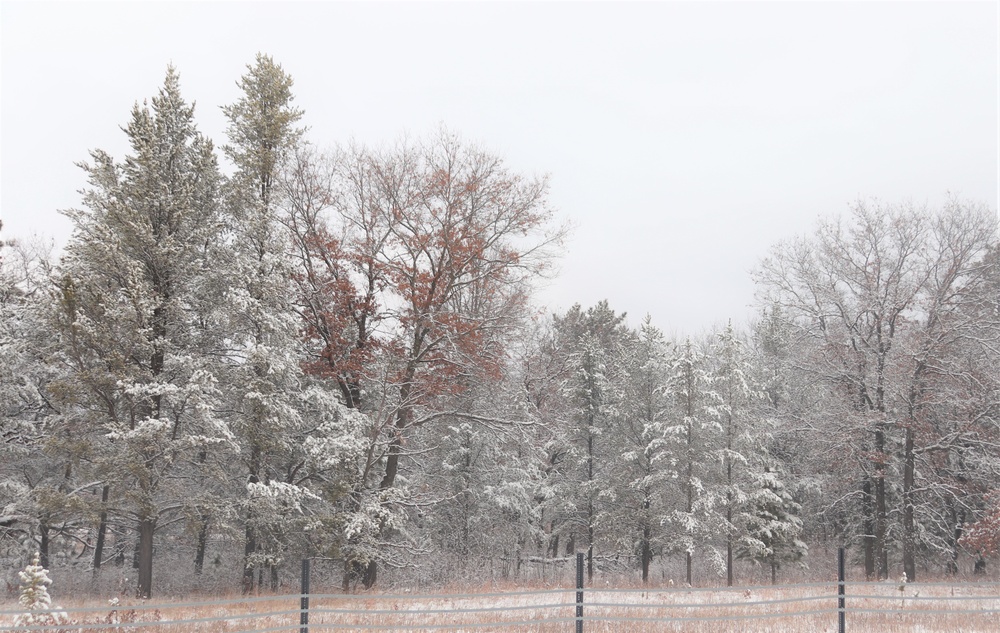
{"x": 35, "y": 598}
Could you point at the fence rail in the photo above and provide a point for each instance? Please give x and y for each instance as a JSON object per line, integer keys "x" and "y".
{"x": 858, "y": 606}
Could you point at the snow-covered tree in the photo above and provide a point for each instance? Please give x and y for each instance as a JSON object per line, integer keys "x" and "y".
{"x": 596, "y": 342}
{"x": 697, "y": 434}
{"x": 876, "y": 302}
{"x": 771, "y": 522}
{"x": 137, "y": 316}
{"x": 648, "y": 467}
{"x": 264, "y": 382}
{"x": 410, "y": 290}
{"x": 734, "y": 409}
{"x": 35, "y": 599}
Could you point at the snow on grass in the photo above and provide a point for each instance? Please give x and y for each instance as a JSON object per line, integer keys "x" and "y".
{"x": 871, "y": 608}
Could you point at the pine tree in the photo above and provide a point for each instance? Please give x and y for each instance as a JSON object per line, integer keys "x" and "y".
{"x": 35, "y": 598}
{"x": 137, "y": 316}
{"x": 696, "y": 432}
{"x": 733, "y": 409}
{"x": 264, "y": 381}
{"x": 649, "y": 459}
{"x": 772, "y": 525}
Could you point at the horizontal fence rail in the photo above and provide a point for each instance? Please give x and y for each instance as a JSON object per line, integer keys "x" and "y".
{"x": 858, "y": 606}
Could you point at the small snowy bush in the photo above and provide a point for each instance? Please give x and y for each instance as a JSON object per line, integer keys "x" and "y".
{"x": 35, "y": 598}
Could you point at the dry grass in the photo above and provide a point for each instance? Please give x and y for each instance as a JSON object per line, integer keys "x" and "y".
{"x": 918, "y": 609}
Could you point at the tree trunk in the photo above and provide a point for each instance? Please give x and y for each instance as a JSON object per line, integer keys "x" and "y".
{"x": 248, "y": 564}
{"x": 646, "y": 552}
{"x": 102, "y": 528}
{"x": 881, "y": 521}
{"x": 391, "y": 467}
{"x": 957, "y": 521}
{"x": 729, "y": 500}
{"x": 250, "y": 544}
{"x": 590, "y": 558}
{"x": 43, "y": 547}
{"x": 980, "y": 566}
{"x": 688, "y": 569}
{"x": 371, "y": 575}
{"x": 146, "y": 527}
{"x": 868, "y": 510}
{"x": 199, "y": 556}
{"x": 729, "y": 561}
{"x": 774, "y": 573}
{"x": 909, "y": 530}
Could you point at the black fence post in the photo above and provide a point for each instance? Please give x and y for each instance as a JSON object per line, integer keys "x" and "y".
{"x": 579, "y": 592}
{"x": 840, "y": 589}
{"x": 304, "y": 605}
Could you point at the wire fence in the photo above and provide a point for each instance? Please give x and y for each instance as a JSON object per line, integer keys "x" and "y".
{"x": 793, "y": 607}
{"x": 863, "y": 607}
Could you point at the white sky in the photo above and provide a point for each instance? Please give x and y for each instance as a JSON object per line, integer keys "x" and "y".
{"x": 682, "y": 139}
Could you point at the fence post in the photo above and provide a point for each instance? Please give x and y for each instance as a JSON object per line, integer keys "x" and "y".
{"x": 579, "y": 592}
{"x": 840, "y": 589}
{"x": 304, "y": 604}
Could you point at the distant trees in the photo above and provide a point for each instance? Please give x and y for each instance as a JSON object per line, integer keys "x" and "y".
{"x": 335, "y": 354}
{"x": 25, "y": 475}
{"x": 878, "y": 302}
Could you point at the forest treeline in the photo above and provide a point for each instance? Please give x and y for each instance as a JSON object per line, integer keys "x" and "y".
{"x": 335, "y": 354}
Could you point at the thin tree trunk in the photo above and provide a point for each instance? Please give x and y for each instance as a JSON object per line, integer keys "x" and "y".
{"x": 102, "y": 528}
{"x": 729, "y": 561}
{"x": 590, "y": 509}
{"x": 909, "y": 529}
{"x": 392, "y": 461}
{"x": 249, "y": 548}
{"x": 199, "y": 557}
{"x": 881, "y": 520}
{"x": 647, "y": 552}
{"x": 250, "y": 544}
{"x": 729, "y": 499}
{"x": 43, "y": 547}
{"x": 868, "y": 510}
{"x": 590, "y": 556}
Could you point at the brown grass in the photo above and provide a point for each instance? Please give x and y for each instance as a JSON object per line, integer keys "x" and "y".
{"x": 909, "y": 610}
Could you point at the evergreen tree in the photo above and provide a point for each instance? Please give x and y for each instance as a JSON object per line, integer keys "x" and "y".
{"x": 734, "y": 408}
{"x": 696, "y": 432}
{"x": 35, "y": 598}
{"x": 264, "y": 382}
{"x": 649, "y": 459}
{"x": 137, "y": 316}
{"x": 771, "y": 523}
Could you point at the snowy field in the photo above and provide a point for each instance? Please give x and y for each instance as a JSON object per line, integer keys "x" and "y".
{"x": 871, "y": 607}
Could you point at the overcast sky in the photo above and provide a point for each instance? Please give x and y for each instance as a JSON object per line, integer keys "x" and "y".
{"x": 682, "y": 139}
